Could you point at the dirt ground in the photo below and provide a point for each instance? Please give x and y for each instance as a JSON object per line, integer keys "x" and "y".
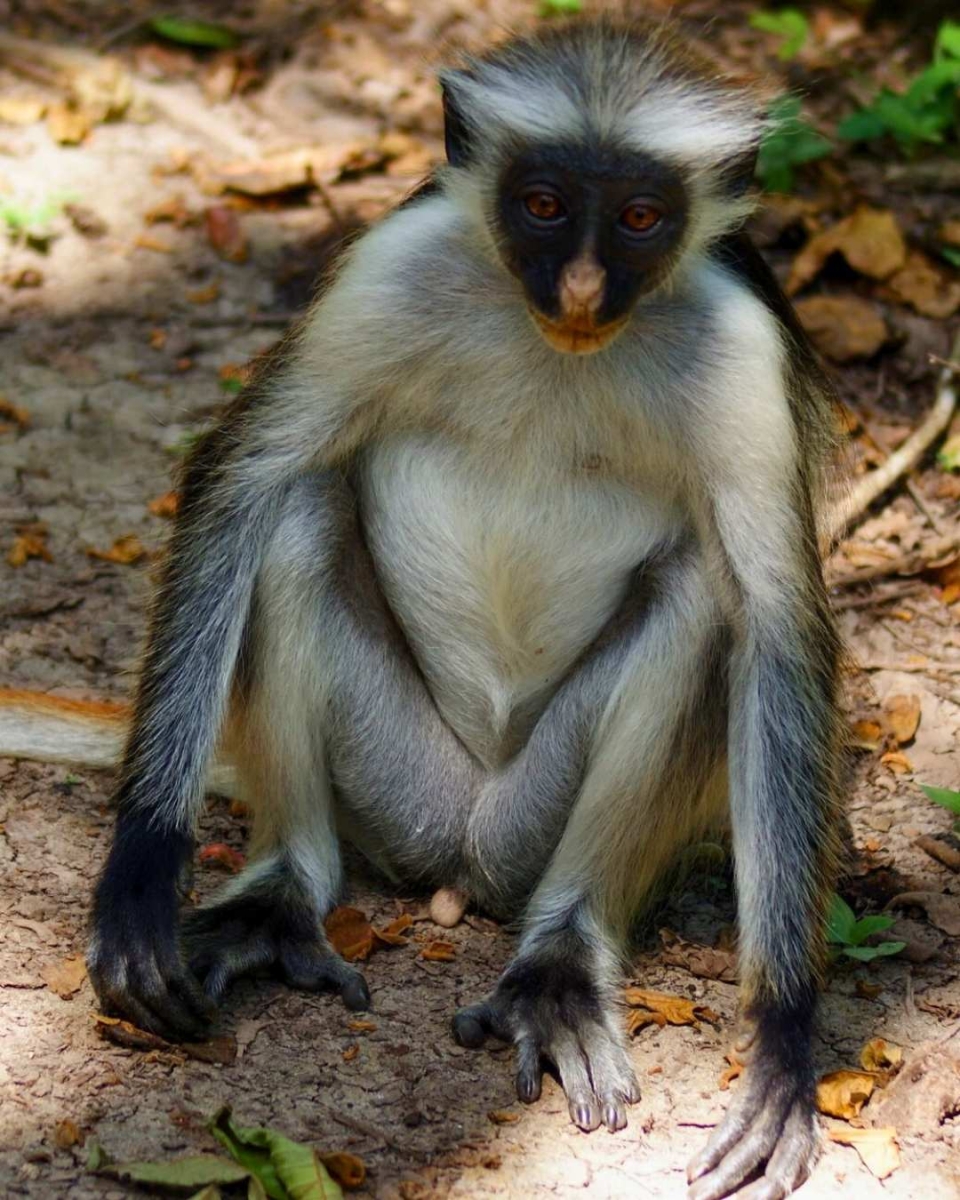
{"x": 122, "y": 343}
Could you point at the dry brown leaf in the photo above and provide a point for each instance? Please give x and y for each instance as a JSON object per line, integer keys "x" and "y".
{"x": 877, "y": 1147}
{"x": 439, "y": 952}
{"x": 733, "y": 1071}
{"x": 502, "y": 1116}
{"x": 21, "y": 110}
{"x": 867, "y": 991}
{"x": 65, "y": 978}
{"x": 843, "y": 328}
{"x": 205, "y": 295}
{"x": 897, "y": 762}
{"x": 125, "y": 551}
{"x": 351, "y": 1052}
{"x": 362, "y": 1026}
{"x": 869, "y": 239}
{"x": 350, "y": 933}
{"x": 66, "y": 1133}
{"x": 866, "y": 735}
{"x": 165, "y": 505}
{"x": 221, "y": 1050}
{"x": 882, "y": 1058}
{"x": 29, "y": 543}
{"x": 843, "y": 1093}
{"x": 219, "y": 854}
{"x": 145, "y": 241}
{"x": 68, "y": 126}
{"x": 706, "y": 962}
{"x": 224, "y": 233}
{"x": 942, "y": 910}
{"x": 660, "y": 1009}
{"x": 174, "y": 211}
{"x": 924, "y": 286}
{"x": 901, "y": 716}
{"x": 348, "y": 1170}
{"x": 949, "y": 232}
{"x": 393, "y": 934}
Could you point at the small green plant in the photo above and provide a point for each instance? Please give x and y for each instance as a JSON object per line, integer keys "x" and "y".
{"x": 846, "y": 934}
{"x": 950, "y": 800}
{"x": 790, "y": 142}
{"x": 28, "y": 222}
{"x": 927, "y": 112}
{"x": 201, "y": 34}
{"x": 560, "y": 8}
{"x": 789, "y": 24}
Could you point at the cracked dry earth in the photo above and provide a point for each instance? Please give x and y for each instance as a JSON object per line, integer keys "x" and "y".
{"x": 108, "y": 400}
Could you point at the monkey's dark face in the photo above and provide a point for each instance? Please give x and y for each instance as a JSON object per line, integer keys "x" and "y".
{"x": 588, "y": 235}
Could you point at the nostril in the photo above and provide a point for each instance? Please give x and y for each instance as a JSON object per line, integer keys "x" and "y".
{"x": 582, "y": 286}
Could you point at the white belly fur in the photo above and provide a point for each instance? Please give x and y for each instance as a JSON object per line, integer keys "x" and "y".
{"x": 500, "y": 572}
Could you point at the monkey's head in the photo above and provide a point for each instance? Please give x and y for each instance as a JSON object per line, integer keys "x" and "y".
{"x": 599, "y": 159}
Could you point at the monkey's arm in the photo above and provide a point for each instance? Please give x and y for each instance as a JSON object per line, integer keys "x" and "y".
{"x": 783, "y": 745}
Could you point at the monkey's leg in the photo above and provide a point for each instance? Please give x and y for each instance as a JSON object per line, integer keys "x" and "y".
{"x": 327, "y": 701}
{"x": 651, "y": 783}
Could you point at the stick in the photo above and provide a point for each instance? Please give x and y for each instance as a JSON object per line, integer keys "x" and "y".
{"x": 903, "y": 459}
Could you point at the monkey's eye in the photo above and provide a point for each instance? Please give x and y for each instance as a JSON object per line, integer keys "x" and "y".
{"x": 640, "y": 217}
{"x": 544, "y": 206}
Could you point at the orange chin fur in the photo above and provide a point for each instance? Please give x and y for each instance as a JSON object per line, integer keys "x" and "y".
{"x": 577, "y": 336}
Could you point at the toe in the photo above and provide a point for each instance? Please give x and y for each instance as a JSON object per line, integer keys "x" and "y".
{"x": 529, "y": 1070}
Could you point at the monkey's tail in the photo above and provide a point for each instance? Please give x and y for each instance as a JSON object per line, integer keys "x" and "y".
{"x": 87, "y": 733}
{"x": 84, "y": 733}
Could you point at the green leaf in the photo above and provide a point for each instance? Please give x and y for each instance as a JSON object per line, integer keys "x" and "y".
{"x": 869, "y": 953}
{"x": 841, "y": 921}
{"x": 287, "y": 1170}
{"x": 232, "y": 385}
{"x": 943, "y": 796}
{"x": 560, "y": 8}
{"x": 870, "y": 925}
{"x": 951, "y": 254}
{"x": 790, "y": 142}
{"x": 194, "y": 33}
{"x": 862, "y": 126}
{"x": 787, "y": 23}
{"x": 947, "y": 44}
{"x": 180, "y": 1174}
{"x": 948, "y": 459}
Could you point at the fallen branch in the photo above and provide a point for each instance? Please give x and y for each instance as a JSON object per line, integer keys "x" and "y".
{"x": 903, "y": 459}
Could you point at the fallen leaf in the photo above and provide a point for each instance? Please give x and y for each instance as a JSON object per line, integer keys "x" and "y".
{"x": 348, "y": 1170}
{"x": 350, "y": 933}
{"x": 21, "y": 110}
{"x": 205, "y": 295}
{"x": 358, "y": 1026}
{"x": 867, "y": 735}
{"x": 942, "y": 910}
{"x": 843, "y": 1093}
{"x": 158, "y": 339}
{"x": 172, "y": 210}
{"x": 183, "y": 1174}
{"x": 351, "y": 1052}
{"x": 26, "y": 277}
{"x": 882, "y": 1058}
{"x": 219, "y": 854}
{"x": 124, "y": 1033}
{"x": 877, "y": 1147}
{"x": 65, "y": 978}
{"x": 502, "y": 1116}
{"x": 901, "y": 716}
{"x": 658, "y": 1008}
{"x": 949, "y": 232}
{"x": 439, "y": 952}
{"x": 867, "y": 991}
{"x": 921, "y": 284}
{"x": 225, "y": 234}
{"x": 897, "y": 762}
{"x": 733, "y": 1071}
{"x": 869, "y": 239}
{"x": 66, "y": 1133}
{"x": 393, "y": 934}
{"x": 843, "y": 328}
{"x": 125, "y": 551}
{"x": 283, "y": 1167}
{"x": 68, "y": 126}
{"x": 146, "y": 241}
{"x": 165, "y": 505}
{"x": 29, "y": 544}
{"x": 706, "y": 962}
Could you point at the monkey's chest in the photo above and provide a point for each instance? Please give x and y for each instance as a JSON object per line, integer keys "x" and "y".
{"x": 500, "y": 574}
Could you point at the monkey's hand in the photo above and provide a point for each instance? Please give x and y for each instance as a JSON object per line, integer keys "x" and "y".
{"x": 551, "y": 1008}
{"x": 771, "y": 1127}
{"x": 134, "y": 959}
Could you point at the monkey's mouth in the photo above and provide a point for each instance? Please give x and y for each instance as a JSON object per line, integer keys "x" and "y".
{"x": 577, "y": 336}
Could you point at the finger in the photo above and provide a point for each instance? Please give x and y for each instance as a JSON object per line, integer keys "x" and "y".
{"x": 471, "y": 1025}
{"x": 529, "y": 1070}
{"x": 746, "y": 1156}
{"x": 612, "y": 1074}
{"x": 316, "y": 969}
{"x": 154, "y": 992}
{"x": 730, "y": 1130}
{"x": 791, "y": 1161}
{"x": 571, "y": 1064}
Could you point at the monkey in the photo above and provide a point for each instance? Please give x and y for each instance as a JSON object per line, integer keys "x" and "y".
{"x": 505, "y": 569}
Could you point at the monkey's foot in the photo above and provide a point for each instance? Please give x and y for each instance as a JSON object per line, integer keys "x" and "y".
{"x": 269, "y": 925}
{"x": 768, "y": 1142}
{"x": 553, "y": 1011}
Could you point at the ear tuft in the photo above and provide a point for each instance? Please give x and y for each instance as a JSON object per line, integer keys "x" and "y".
{"x": 456, "y": 132}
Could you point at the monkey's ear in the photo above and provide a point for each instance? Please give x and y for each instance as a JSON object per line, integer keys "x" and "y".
{"x": 456, "y": 132}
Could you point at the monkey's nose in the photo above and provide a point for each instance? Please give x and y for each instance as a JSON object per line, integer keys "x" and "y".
{"x": 581, "y": 287}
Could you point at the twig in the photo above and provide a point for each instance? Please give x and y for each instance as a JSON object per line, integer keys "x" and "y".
{"x": 903, "y": 459}
{"x": 875, "y": 599}
{"x": 917, "y": 498}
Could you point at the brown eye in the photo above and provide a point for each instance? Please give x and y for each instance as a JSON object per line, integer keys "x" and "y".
{"x": 543, "y": 205}
{"x": 640, "y": 217}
